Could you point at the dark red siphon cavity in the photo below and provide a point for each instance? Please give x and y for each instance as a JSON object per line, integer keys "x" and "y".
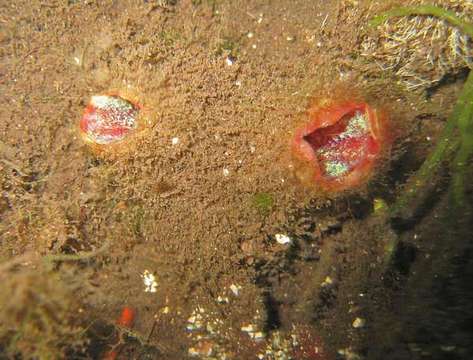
{"x": 341, "y": 147}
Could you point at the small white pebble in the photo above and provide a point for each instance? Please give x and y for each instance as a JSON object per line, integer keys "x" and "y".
{"x": 226, "y": 172}
{"x": 358, "y": 323}
{"x": 238, "y": 83}
{"x": 175, "y": 140}
{"x": 283, "y": 239}
{"x": 229, "y": 61}
{"x": 253, "y": 46}
{"x": 235, "y": 289}
{"x": 250, "y": 35}
{"x": 149, "y": 280}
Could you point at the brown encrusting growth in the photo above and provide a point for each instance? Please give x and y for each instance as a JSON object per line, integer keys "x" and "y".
{"x": 40, "y": 316}
{"x": 196, "y": 223}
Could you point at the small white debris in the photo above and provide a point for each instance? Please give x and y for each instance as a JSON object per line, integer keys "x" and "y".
{"x": 252, "y": 149}
{"x": 253, "y": 332}
{"x": 149, "y": 280}
{"x": 328, "y": 281}
{"x": 226, "y": 172}
{"x": 194, "y": 322}
{"x": 238, "y": 83}
{"x": 77, "y": 61}
{"x": 222, "y": 300}
{"x": 349, "y": 354}
{"x": 283, "y": 239}
{"x": 358, "y": 323}
{"x": 250, "y": 35}
{"x": 259, "y": 335}
{"x": 319, "y": 44}
{"x": 175, "y": 140}
{"x": 193, "y": 352}
{"x": 447, "y": 348}
{"x": 253, "y": 46}
{"x": 229, "y": 60}
{"x": 235, "y": 289}
{"x": 290, "y": 38}
{"x": 248, "y": 328}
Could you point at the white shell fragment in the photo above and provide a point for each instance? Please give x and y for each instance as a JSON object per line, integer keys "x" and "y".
{"x": 283, "y": 239}
{"x": 149, "y": 280}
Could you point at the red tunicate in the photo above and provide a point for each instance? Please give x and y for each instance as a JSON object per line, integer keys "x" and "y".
{"x": 109, "y": 119}
{"x": 341, "y": 144}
